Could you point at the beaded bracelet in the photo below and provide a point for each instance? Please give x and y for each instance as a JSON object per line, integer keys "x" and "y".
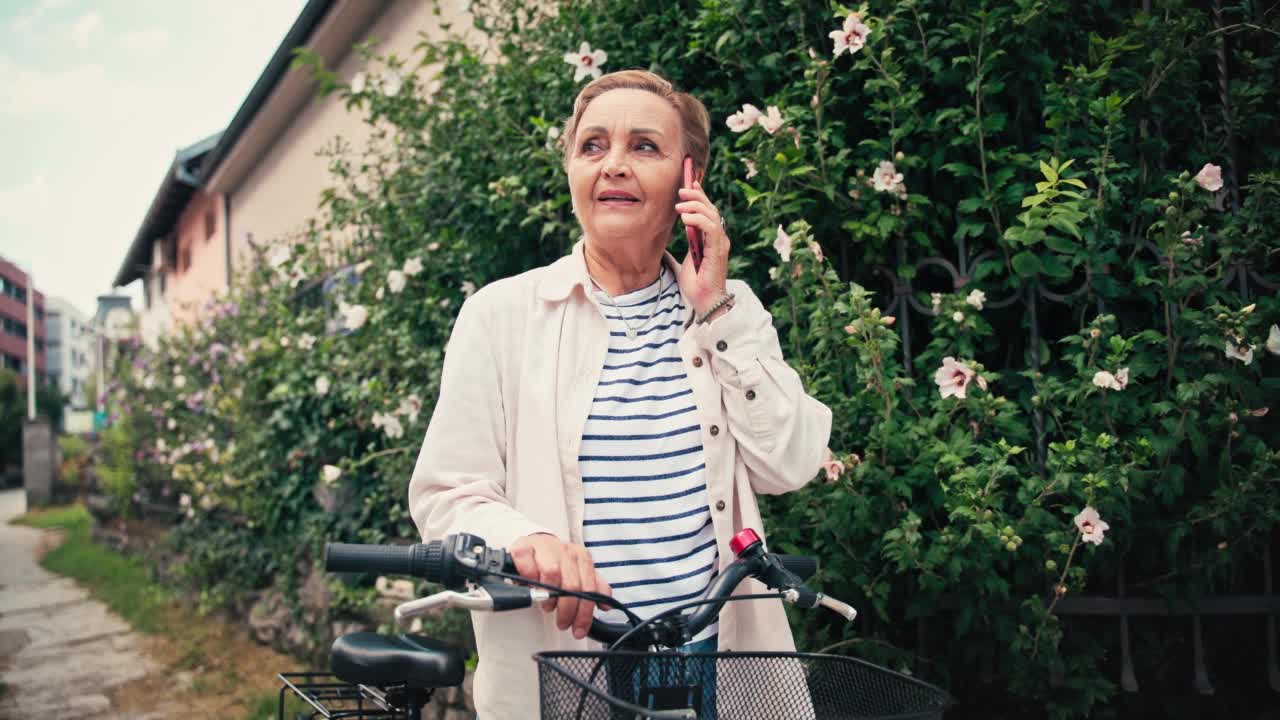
{"x": 724, "y": 300}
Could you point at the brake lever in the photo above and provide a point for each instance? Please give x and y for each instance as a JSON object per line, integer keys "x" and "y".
{"x": 806, "y": 598}
{"x": 479, "y": 597}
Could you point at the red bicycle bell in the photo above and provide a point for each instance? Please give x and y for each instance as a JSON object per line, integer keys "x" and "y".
{"x": 745, "y": 539}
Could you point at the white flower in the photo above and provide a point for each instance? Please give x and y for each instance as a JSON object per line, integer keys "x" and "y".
{"x": 410, "y": 407}
{"x": 353, "y": 316}
{"x": 953, "y": 378}
{"x": 280, "y": 257}
{"x": 148, "y": 382}
{"x": 358, "y": 82}
{"x": 1273, "y": 340}
{"x": 322, "y": 385}
{"x": 936, "y": 298}
{"x": 976, "y": 299}
{"x": 771, "y": 121}
{"x": 331, "y": 473}
{"x": 179, "y": 381}
{"x": 783, "y": 245}
{"x": 284, "y": 341}
{"x": 1106, "y": 380}
{"x": 852, "y": 36}
{"x": 184, "y": 500}
{"x": 1091, "y": 525}
{"x": 412, "y": 266}
{"x": 395, "y": 281}
{"x": 392, "y": 427}
{"x": 362, "y": 266}
{"x": 1244, "y": 354}
{"x": 957, "y": 316}
{"x": 751, "y": 167}
{"x": 553, "y": 135}
{"x": 468, "y": 287}
{"x": 391, "y": 83}
{"x": 306, "y": 341}
{"x": 886, "y": 178}
{"x": 377, "y": 294}
{"x": 434, "y": 246}
{"x": 744, "y": 119}
{"x": 172, "y": 425}
{"x": 586, "y": 62}
{"x": 160, "y": 444}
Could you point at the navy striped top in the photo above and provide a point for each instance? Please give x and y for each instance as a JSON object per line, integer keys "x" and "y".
{"x": 647, "y": 520}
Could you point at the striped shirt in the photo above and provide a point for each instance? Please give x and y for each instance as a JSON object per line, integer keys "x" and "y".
{"x": 647, "y": 520}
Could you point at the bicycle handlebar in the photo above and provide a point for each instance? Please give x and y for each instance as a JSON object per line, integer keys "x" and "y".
{"x": 461, "y": 559}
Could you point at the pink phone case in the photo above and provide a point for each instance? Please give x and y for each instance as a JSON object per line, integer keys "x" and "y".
{"x": 692, "y": 233}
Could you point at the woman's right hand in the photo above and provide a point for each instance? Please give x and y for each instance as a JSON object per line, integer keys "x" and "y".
{"x": 549, "y": 560}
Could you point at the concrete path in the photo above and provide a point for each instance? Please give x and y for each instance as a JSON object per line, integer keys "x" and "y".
{"x": 61, "y": 652}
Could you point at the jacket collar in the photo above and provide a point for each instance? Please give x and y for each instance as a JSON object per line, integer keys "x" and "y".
{"x": 570, "y": 272}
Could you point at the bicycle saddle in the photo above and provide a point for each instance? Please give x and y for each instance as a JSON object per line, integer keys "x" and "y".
{"x": 368, "y": 658}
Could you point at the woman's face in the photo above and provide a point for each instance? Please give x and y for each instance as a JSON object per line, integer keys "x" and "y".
{"x": 625, "y": 166}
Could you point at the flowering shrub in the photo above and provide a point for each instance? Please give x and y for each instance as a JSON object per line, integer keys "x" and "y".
{"x": 1088, "y": 389}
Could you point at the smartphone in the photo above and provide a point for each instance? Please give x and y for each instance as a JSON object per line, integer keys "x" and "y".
{"x": 692, "y": 233}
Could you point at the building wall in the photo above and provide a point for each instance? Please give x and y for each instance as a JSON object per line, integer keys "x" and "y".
{"x": 277, "y": 197}
{"x": 13, "y": 317}
{"x": 199, "y": 272}
{"x": 69, "y": 350}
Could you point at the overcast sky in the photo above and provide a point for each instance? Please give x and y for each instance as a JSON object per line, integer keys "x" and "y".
{"x": 95, "y": 98}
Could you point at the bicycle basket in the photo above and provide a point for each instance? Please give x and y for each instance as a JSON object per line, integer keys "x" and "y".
{"x": 730, "y": 686}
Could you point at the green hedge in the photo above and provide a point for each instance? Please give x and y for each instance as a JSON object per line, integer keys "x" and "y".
{"x": 1040, "y": 148}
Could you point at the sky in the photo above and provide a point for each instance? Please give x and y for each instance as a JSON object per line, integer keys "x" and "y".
{"x": 96, "y": 96}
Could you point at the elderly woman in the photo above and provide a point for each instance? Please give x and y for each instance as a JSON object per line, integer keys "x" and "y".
{"x": 610, "y": 417}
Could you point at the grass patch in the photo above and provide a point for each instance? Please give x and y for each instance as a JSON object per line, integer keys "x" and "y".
{"x": 121, "y": 582}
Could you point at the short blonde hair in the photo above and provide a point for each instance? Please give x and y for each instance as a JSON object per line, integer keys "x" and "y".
{"x": 695, "y": 122}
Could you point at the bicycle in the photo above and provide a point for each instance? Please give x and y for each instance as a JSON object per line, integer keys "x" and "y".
{"x": 395, "y": 676}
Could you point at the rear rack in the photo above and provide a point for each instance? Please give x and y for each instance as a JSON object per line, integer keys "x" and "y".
{"x": 331, "y": 698}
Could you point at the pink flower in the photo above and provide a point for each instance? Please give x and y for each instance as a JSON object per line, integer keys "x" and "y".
{"x": 1119, "y": 381}
{"x": 832, "y": 467}
{"x": 1210, "y": 177}
{"x": 1243, "y": 354}
{"x": 1091, "y": 525}
{"x": 586, "y": 62}
{"x": 1273, "y": 340}
{"x": 771, "y": 121}
{"x": 744, "y": 119}
{"x": 852, "y": 36}
{"x": 953, "y": 378}
{"x": 817, "y": 250}
{"x": 751, "y": 167}
{"x": 783, "y": 245}
{"x": 886, "y": 178}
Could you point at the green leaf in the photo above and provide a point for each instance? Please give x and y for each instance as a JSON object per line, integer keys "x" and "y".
{"x": 1026, "y": 264}
{"x": 1048, "y": 171}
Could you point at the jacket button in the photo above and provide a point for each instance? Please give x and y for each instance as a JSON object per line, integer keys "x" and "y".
{"x": 697, "y": 362}
{"x": 720, "y": 505}
{"x": 722, "y": 346}
{"x": 715, "y": 430}
{"x": 751, "y": 394}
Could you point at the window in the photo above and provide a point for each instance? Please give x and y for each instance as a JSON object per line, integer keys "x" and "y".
{"x": 13, "y": 290}
{"x": 13, "y": 327}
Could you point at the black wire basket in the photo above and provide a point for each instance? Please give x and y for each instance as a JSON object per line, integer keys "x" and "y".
{"x": 728, "y": 686}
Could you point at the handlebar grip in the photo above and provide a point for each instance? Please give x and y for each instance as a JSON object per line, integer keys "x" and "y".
{"x": 411, "y": 560}
{"x": 804, "y": 566}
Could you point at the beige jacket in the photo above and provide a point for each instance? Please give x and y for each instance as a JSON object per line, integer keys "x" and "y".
{"x": 500, "y": 455}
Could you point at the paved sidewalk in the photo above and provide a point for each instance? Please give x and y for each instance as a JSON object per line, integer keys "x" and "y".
{"x": 61, "y": 652}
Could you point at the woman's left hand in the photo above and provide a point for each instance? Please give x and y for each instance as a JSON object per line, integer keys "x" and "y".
{"x": 704, "y": 286}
